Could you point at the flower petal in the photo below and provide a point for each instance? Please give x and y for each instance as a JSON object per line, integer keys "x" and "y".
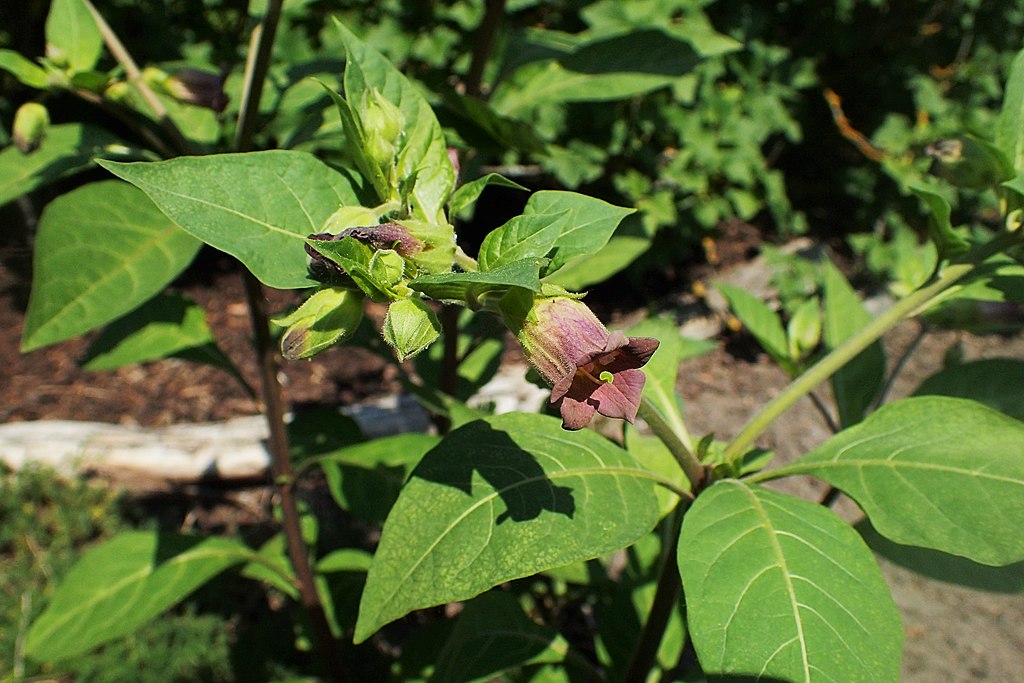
{"x": 576, "y": 414}
{"x": 621, "y": 397}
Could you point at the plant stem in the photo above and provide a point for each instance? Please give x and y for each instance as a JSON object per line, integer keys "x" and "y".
{"x": 666, "y": 597}
{"x": 284, "y": 479}
{"x": 261, "y": 45}
{"x": 849, "y": 349}
{"x": 131, "y": 70}
{"x": 493, "y": 11}
{"x": 692, "y": 467}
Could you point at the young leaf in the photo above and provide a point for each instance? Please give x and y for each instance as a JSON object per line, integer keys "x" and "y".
{"x": 258, "y": 206}
{"x": 857, "y": 383}
{"x": 1010, "y": 126}
{"x": 497, "y": 500}
{"x": 469, "y": 192}
{"x": 523, "y": 237}
{"x": 25, "y": 70}
{"x": 762, "y": 321}
{"x": 101, "y": 250}
{"x": 469, "y": 287}
{"x": 72, "y": 37}
{"x": 949, "y": 242}
{"x": 423, "y": 158}
{"x": 588, "y": 226}
{"x": 66, "y": 149}
{"x": 120, "y": 585}
{"x": 168, "y": 325}
{"x": 492, "y": 635}
{"x": 779, "y": 588}
{"x": 995, "y": 382}
{"x": 931, "y": 471}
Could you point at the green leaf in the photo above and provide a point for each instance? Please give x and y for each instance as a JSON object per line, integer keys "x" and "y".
{"x": 469, "y": 192}
{"x": 491, "y": 635}
{"x": 470, "y": 287}
{"x": 258, "y": 206}
{"x": 365, "y": 478}
{"x": 858, "y": 382}
{"x": 120, "y": 585}
{"x": 612, "y": 258}
{"x": 936, "y": 472}
{"x": 522, "y": 237}
{"x": 356, "y": 259}
{"x": 165, "y": 326}
{"x": 423, "y": 158}
{"x": 25, "y": 70}
{"x": 587, "y": 227}
{"x": 945, "y": 567}
{"x": 760, "y": 320}
{"x": 995, "y": 382}
{"x": 662, "y": 369}
{"x": 497, "y": 500}
{"x": 604, "y": 69}
{"x": 66, "y": 149}
{"x": 101, "y": 250}
{"x": 949, "y": 241}
{"x": 779, "y": 588}
{"x": 72, "y": 36}
{"x": 1010, "y": 126}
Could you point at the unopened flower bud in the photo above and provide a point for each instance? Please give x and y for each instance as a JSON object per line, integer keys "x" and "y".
{"x": 192, "y": 86}
{"x": 383, "y": 124}
{"x": 410, "y": 327}
{"x": 31, "y": 122}
{"x": 804, "y": 329}
{"x": 330, "y": 316}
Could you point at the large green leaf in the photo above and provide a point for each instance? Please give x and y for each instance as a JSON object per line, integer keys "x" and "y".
{"x": 937, "y": 472}
{"x": 1010, "y": 126}
{"x": 858, "y": 382}
{"x": 996, "y": 382}
{"x": 258, "y": 206}
{"x": 423, "y": 157}
{"x": 66, "y": 148}
{"x": 493, "y": 634}
{"x": 122, "y": 584}
{"x": 101, "y": 250}
{"x": 587, "y": 227}
{"x": 497, "y": 500}
{"x": 778, "y": 588}
{"x": 72, "y": 36}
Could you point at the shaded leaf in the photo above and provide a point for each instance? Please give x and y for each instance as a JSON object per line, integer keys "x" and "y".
{"x": 995, "y": 382}
{"x": 500, "y": 499}
{"x": 101, "y": 251}
{"x": 760, "y": 320}
{"x": 66, "y": 149}
{"x": 491, "y": 635}
{"x": 858, "y": 382}
{"x": 780, "y": 588}
{"x": 1010, "y": 125}
{"x": 120, "y": 585}
{"x": 258, "y": 206}
{"x": 937, "y": 472}
{"x": 25, "y": 70}
{"x": 949, "y": 242}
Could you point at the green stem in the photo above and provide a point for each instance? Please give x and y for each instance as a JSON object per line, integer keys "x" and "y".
{"x": 692, "y": 467}
{"x": 849, "y": 349}
{"x": 261, "y": 45}
{"x": 666, "y": 597}
{"x": 131, "y": 70}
